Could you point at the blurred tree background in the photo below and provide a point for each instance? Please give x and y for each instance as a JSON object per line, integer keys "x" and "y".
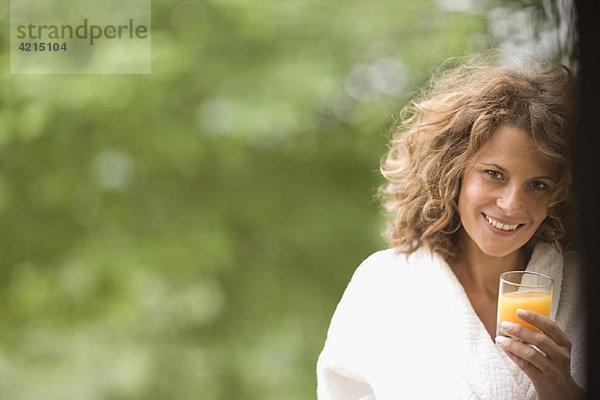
{"x": 187, "y": 234}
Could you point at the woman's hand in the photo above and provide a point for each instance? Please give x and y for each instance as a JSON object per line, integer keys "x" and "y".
{"x": 548, "y": 365}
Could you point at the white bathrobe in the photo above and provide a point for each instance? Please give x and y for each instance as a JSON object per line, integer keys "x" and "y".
{"x": 405, "y": 329}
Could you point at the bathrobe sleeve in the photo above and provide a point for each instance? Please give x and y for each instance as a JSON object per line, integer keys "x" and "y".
{"x": 384, "y": 338}
{"x": 365, "y": 356}
{"x": 341, "y": 373}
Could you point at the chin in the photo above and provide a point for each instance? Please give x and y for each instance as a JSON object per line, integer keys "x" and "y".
{"x": 498, "y": 251}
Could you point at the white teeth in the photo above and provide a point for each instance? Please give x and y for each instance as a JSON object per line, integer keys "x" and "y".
{"x": 500, "y": 225}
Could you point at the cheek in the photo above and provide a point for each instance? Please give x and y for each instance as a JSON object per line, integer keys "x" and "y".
{"x": 472, "y": 195}
{"x": 538, "y": 208}
{"x": 540, "y": 212}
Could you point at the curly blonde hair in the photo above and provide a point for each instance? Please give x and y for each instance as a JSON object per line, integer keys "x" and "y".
{"x": 446, "y": 124}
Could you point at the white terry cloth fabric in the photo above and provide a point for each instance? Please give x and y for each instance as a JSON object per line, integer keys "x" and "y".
{"x": 405, "y": 329}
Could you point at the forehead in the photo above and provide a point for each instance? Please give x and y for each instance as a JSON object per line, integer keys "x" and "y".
{"x": 514, "y": 148}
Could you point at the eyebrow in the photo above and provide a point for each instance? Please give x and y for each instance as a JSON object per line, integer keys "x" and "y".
{"x": 503, "y": 170}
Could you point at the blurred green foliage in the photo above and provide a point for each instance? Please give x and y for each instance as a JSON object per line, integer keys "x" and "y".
{"x": 187, "y": 234}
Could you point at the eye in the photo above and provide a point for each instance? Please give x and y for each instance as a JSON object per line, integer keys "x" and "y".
{"x": 493, "y": 174}
{"x": 538, "y": 185}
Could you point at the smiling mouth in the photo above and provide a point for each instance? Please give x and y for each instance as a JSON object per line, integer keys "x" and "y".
{"x": 499, "y": 225}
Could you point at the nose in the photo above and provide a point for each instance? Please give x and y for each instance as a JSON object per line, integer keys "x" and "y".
{"x": 510, "y": 200}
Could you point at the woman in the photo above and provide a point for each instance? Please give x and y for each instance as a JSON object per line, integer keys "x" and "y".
{"x": 478, "y": 182}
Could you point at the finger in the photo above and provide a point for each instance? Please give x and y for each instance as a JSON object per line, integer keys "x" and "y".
{"x": 546, "y": 325}
{"x": 513, "y": 349}
{"x": 541, "y": 342}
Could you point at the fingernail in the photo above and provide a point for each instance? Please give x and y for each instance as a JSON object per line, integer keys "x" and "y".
{"x": 501, "y": 340}
{"x": 521, "y": 312}
{"x": 506, "y": 325}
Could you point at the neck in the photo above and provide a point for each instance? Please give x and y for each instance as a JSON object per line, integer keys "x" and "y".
{"x": 483, "y": 271}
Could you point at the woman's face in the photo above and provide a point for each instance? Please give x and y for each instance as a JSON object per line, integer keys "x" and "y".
{"x": 505, "y": 192}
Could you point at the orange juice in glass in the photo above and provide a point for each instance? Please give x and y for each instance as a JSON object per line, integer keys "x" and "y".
{"x": 525, "y": 290}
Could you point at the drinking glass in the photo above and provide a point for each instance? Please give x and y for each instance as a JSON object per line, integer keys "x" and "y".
{"x": 522, "y": 290}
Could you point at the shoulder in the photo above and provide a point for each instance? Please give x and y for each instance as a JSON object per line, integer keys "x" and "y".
{"x": 573, "y": 273}
{"x": 391, "y": 260}
{"x": 377, "y": 274}
{"x": 368, "y": 301}
{"x": 381, "y": 261}
{"x": 374, "y": 270}
{"x": 386, "y": 266}
{"x": 565, "y": 266}
{"x": 573, "y": 260}
{"x": 571, "y": 308}
{"x": 382, "y": 273}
